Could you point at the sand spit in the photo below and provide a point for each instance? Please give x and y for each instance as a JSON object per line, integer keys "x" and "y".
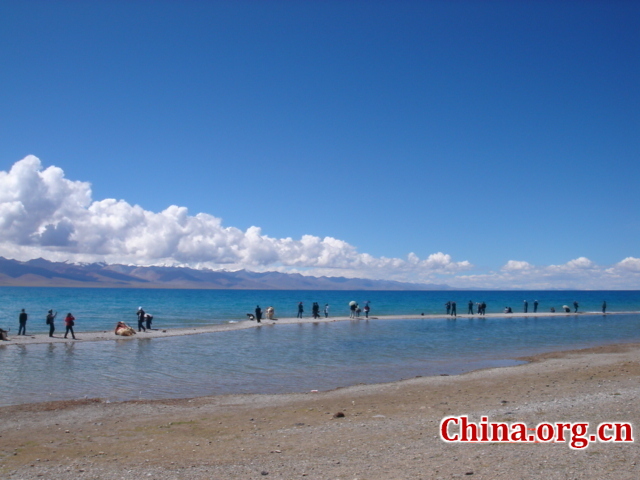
{"x": 241, "y": 325}
{"x": 387, "y": 431}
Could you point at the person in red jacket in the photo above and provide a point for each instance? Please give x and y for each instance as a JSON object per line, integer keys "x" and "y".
{"x": 69, "y": 322}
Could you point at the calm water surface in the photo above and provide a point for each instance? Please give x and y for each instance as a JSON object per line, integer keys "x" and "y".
{"x": 288, "y": 358}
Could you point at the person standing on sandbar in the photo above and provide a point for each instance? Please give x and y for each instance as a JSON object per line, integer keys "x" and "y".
{"x": 22, "y": 319}
{"x": 141, "y": 314}
{"x": 69, "y": 322}
{"x": 50, "y": 321}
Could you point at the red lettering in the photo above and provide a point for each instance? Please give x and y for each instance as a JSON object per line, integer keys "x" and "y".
{"x": 578, "y": 436}
{"x": 444, "y": 429}
{"x": 561, "y": 427}
{"x": 628, "y": 436}
{"x": 504, "y": 429}
{"x": 484, "y": 429}
{"x": 470, "y": 428}
{"x": 519, "y": 432}
{"x": 601, "y": 432}
{"x": 545, "y": 432}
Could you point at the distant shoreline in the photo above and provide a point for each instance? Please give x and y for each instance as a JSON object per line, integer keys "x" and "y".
{"x": 161, "y": 286}
{"x": 109, "y": 335}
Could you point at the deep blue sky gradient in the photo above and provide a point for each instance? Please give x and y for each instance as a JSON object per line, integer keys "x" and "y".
{"x": 488, "y": 130}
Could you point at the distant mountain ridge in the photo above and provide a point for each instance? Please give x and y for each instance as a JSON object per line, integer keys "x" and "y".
{"x": 43, "y": 273}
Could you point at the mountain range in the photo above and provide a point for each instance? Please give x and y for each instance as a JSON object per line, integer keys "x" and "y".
{"x": 43, "y": 273}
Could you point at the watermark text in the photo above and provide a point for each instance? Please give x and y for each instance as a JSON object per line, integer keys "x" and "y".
{"x": 461, "y": 429}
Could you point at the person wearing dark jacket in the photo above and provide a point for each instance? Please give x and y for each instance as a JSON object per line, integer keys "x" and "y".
{"x": 50, "y": 321}
{"x": 22, "y": 319}
{"x": 148, "y": 318}
{"x": 258, "y": 313}
{"x": 141, "y": 314}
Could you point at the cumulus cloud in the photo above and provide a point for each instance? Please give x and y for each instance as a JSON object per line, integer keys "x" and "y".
{"x": 43, "y": 214}
{"x": 579, "y": 273}
{"x": 630, "y": 263}
{"x": 516, "y": 265}
{"x": 581, "y": 263}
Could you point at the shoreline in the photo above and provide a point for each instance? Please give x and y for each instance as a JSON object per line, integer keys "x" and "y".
{"x": 107, "y": 335}
{"x": 387, "y": 430}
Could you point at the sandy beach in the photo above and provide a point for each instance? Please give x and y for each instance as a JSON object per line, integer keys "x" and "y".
{"x": 241, "y": 325}
{"x": 385, "y": 431}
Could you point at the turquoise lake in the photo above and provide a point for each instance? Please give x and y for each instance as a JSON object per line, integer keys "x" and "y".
{"x": 284, "y": 358}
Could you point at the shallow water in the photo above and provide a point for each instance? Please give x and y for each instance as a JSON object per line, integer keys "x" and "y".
{"x": 291, "y": 358}
{"x": 101, "y": 309}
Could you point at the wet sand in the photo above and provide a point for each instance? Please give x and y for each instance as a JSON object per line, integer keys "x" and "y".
{"x": 240, "y": 325}
{"x": 388, "y": 431}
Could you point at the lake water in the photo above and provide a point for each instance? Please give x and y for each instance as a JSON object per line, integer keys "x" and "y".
{"x": 283, "y": 358}
{"x": 101, "y": 309}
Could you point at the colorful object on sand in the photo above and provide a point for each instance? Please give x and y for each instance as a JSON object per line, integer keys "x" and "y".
{"x": 124, "y": 330}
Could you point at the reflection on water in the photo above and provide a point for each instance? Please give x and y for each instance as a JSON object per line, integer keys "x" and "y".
{"x": 287, "y": 358}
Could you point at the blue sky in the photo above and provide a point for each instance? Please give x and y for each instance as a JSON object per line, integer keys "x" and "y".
{"x": 485, "y": 143}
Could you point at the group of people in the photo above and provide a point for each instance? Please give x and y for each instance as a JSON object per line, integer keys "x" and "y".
{"x": 565, "y": 308}
{"x": 144, "y": 318}
{"x": 315, "y": 310}
{"x": 482, "y": 307}
{"x": 258, "y": 314}
{"x": 526, "y": 306}
{"x": 452, "y": 308}
{"x": 355, "y": 309}
{"x": 69, "y": 322}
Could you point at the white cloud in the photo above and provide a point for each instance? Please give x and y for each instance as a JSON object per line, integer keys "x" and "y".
{"x": 579, "y": 273}
{"x": 630, "y": 263}
{"x": 581, "y": 263}
{"x": 516, "y": 265}
{"x": 43, "y": 214}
